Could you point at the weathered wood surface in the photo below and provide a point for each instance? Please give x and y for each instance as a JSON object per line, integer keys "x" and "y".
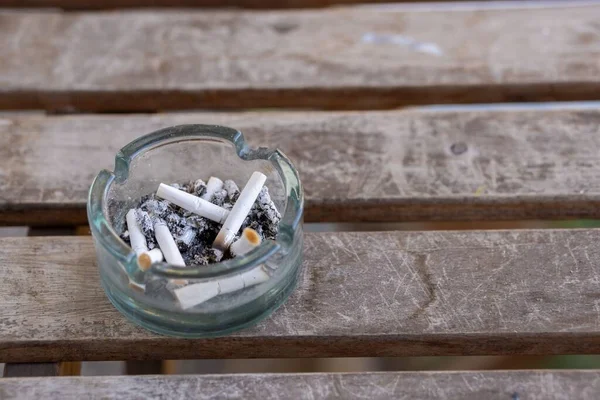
{"x": 379, "y": 166}
{"x": 489, "y": 385}
{"x": 361, "y": 294}
{"x": 30, "y": 369}
{"x": 112, "y": 4}
{"x": 339, "y": 58}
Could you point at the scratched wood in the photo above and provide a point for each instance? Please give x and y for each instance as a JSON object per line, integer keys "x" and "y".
{"x": 380, "y": 166}
{"x": 112, "y": 4}
{"x": 360, "y": 295}
{"x": 489, "y": 385}
{"x": 338, "y": 58}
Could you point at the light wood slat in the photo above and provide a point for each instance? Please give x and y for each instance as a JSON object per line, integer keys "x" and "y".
{"x": 361, "y": 294}
{"x": 253, "y": 4}
{"x": 31, "y": 369}
{"x": 377, "y": 166}
{"x": 490, "y": 385}
{"x": 340, "y": 58}
{"x": 408, "y": 5}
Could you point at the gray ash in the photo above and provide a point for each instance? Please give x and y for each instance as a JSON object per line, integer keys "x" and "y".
{"x": 147, "y": 226}
{"x": 194, "y": 234}
{"x": 264, "y": 217}
{"x": 219, "y": 197}
{"x": 157, "y": 207}
{"x": 198, "y": 188}
{"x": 233, "y": 191}
{"x": 202, "y": 255}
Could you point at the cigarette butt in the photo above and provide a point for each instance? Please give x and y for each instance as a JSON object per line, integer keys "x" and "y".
{"x": 250, "y": 239}
{"x": 136, "y": 237}
{"x": 198, "y": 293}
{"x": 147, "y": 258}
{"x": 192, "y": 295}
{"x": 240, "y": 211}
{"x": 192, "y": 203}
{"x": 247, "y": 279}
{"x": 179, "y": 282}
{"x": 255, "y": 276}
{"x": 214, "y": 184}
{"x": 231, "y": 284}
{"x": 167, "y": 244}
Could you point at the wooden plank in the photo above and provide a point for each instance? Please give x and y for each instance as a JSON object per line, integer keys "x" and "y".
{"x": 30, "y": 369}
{"x": 112, "y": 4}
{"x": 360, "y": 295}
{"x": 411, "y": 165}
{"x": 489, "y": 385}
{"x": 338, "y": 58}
{"x": 252, "y": 4}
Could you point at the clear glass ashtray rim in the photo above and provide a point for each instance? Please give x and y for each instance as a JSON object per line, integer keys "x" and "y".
{"x": 105, "y": 234}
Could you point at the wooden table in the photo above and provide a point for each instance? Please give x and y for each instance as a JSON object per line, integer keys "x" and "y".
{"x": 337, "y": 88}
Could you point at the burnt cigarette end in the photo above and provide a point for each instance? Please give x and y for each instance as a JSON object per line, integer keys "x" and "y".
{"x": 249, "y": 241}
{"x": 252, "y": 236}
{"x": 147, "y": 258}
{"x": 144, "y": 262}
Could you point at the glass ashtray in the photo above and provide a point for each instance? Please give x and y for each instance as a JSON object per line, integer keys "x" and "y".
{"x": 185, "y": 153}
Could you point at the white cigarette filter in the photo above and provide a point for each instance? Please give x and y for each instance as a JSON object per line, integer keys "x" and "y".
{"x": 167, "y": 244}
{"x": 240, "y": 211}
{"x": 213, "y": 185}
{"x": 136, "y": 237}
{"x": 250, "y": 240}
{"x": 192, "y": 295}
{"x": 192, "y": 203}
{"x": 147, "y": 258}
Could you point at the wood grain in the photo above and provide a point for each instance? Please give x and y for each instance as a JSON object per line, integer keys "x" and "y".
{"x": 339, "y": 58}
{"x": 253, "y": 4}
{"x": 360, "y": 295}
{"x": 30, "y": 369}
{"x": 386, "y": 166}
{"x": 491, "y": 385}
